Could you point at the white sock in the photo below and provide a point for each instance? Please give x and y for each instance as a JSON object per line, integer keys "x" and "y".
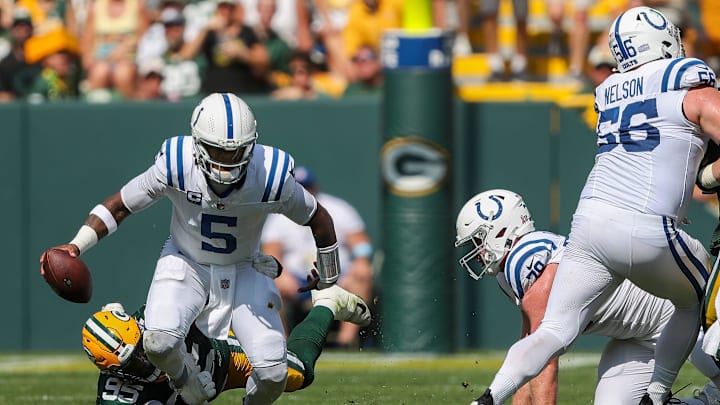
{"x": 657, "y": 392}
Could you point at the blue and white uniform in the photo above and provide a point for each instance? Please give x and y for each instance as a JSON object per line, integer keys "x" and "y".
{"x": 631, "y": 317}
{"x": 206, "y": 272}
{"x": 626, "y": 223}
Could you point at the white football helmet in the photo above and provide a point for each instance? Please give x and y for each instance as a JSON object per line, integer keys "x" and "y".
{"x": 224, "y": 130}
{"x": 641, "y": 35}
{"x": 492, "y": 221}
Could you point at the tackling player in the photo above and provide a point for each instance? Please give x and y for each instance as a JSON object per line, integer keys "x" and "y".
{"x": 498, "y": 228}
{"x": 112, "y": 340}
{"x": 222, "y": 186}
{"x": 656, "y": 116}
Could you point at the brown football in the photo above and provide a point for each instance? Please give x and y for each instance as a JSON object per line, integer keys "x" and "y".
{"x": 68, "y": 276}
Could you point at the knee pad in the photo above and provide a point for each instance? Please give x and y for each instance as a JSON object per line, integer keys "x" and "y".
{"x": 159, "y": 344}
{"x": 164, "y": 351}
{"x": 270, "y": 381}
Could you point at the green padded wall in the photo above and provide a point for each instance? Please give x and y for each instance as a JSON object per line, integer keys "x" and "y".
{"x": 14, "y": 238}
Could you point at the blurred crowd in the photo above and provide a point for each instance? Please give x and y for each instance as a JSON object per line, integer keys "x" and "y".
{"x": 106, "y": 50}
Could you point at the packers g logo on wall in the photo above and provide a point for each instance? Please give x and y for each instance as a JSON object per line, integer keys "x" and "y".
{"x": 413, "y": 166}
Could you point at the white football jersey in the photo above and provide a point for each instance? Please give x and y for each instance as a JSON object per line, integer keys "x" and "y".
{"x": 648, "y": 152}
{"x": 219, "y": 229}
{"x": 299, "y": 250}
{"x": 628, "y": 313}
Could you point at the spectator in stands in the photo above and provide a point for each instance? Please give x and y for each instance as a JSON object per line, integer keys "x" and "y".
{"x": 49, "y": 15}
{"x": 601, "y": 64}
{"x": 284, "y": 20}
{"x": 237, "y": 61}
{"x": 293, "y": 245}
{"x": 16, "y": 75}
{"x": 112, "y": 30}
{"x": 58, "y": 53}
{"x": 149, "y": 80}
{"x": 518, "y": 62}
{"x": 578, "y": 35}
{"x": 367, "y": 21}
{"x": 367, "y": 75}
{"x": 302, "y": 80}
{"x": 183, "y": 71}
{"x": 278, "y": 49}
{"x": 153, "y": 43}
{"x": 462, "y": 45}
{"x": 320, "y": 27}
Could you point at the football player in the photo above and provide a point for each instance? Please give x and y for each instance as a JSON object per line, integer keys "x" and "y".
{"x": 655, "y": 117}
{"x": 499, "y": 230}
{"x": 222, "y": 186}
{"x": 112, "y": 340}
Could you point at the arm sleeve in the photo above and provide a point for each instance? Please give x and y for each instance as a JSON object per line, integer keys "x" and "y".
{"x": 148, "y": 187}
{"x": 301, "y": 205}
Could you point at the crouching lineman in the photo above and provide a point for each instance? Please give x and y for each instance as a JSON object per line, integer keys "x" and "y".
{"x": 497, "y": 227}
{"x": 112, "y": 339}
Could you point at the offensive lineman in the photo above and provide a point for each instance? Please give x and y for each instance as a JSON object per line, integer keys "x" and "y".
{"x": 112, "y": 340}
{"x": 500, "y": 232}
{"x": 655, "y": 118}
{"x": 222, "y": 186}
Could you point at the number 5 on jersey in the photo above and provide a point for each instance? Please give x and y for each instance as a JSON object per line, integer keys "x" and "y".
{"x": 206, "y": 229}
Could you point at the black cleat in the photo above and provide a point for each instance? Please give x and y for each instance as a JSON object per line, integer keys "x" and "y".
{"x": 669, "y": 400}
{"x": 485, "y": 399}
{"x": 645, "y": 400}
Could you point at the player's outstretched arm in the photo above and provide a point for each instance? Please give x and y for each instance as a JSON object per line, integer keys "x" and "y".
{"x": 543, "y": 388}
{"x": 328, "y": 261}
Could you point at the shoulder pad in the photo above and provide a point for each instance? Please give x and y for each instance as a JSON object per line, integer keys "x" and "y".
{"x": 175, "y": 159}
{"x": 687, "y": 73}
{"x": 526, "y": 263}
{"x": 278, "y": 168}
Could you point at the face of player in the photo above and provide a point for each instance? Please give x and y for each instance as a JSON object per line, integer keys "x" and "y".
{"x": 225, "y": 157}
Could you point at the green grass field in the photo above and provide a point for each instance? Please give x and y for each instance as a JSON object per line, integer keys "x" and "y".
{"x": 341, "y": 378}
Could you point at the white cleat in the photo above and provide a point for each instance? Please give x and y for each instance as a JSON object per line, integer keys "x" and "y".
{"x": 344, "y": 305}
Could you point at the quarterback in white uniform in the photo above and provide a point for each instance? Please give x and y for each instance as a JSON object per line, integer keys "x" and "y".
{"x": 222, "y": 186}
{"x": 500, "y": 232}
{"x": 656, "y": 116}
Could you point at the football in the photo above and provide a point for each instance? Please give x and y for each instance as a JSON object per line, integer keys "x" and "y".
{"x": 68, "y": 276}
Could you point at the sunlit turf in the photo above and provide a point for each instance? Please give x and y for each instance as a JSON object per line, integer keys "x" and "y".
{"x": 341, "y": 378}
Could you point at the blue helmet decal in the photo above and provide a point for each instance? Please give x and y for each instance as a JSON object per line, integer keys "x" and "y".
{"x": 496, "y": 215}
{"x": 657, "y": 27}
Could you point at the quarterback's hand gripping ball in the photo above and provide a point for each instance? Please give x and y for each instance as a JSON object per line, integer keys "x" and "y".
{"x": 68, "y": 276}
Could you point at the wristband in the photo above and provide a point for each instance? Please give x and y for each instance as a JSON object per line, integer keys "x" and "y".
{"x": 328, "y": 264}
{"x": 85, "y": 238}
{"x": 707, "y": 179}
{"x": 106, "y": 216}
